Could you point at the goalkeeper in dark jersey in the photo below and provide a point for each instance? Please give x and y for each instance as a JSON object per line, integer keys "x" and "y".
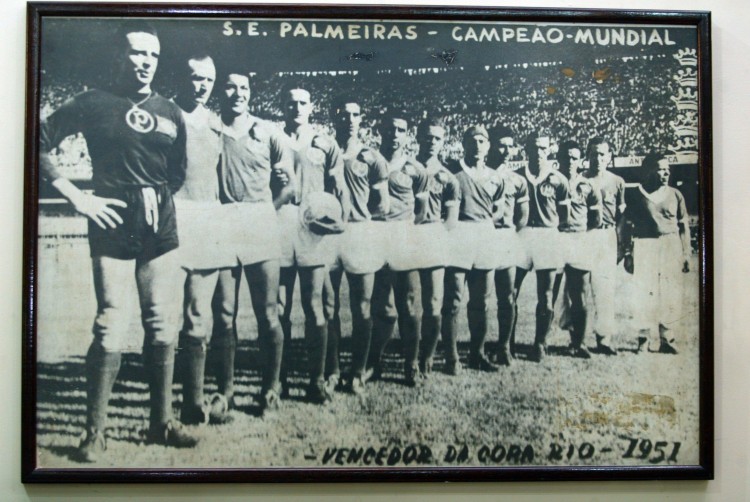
{"x": 136, "y": 140}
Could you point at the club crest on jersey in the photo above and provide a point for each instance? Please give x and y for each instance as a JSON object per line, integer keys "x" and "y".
{"x": 583, "y": 190}
{"x": 140, "y": 120}
{"x": 546, "y": 189}
{"x": 358, "y": 167}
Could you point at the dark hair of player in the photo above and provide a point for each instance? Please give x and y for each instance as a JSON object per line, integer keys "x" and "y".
{"x": 295, "y": 84}
{"x": 499, "y": 132}
{"x": 565, "y": 147}
{"x": 133, "y": 26}
{"x": 535, "y": 135}
{"x": 391, "y": 114}
{"x": 198, "y": 55}
{"x": 121, "y": 45}
{"x": 232, "y": 70}
{"x": 596, "y": 141}
{"x": 651, "y": 161}
{"x": 424, "y": 126}
{"x": 562, "y": 155}
{"x": 340, "y": 102}
{"x": 650, "y": 165}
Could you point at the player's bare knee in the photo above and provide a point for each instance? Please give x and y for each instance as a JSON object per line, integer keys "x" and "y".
{"x": 111, "y": 327}
{"x": 432, "y": 307}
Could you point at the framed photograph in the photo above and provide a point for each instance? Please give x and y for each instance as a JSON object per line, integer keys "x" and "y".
{"x": 270, "y": 243}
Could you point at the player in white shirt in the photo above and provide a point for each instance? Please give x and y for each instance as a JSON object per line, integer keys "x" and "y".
{"x": 657, "y": 219}
{"x": 210, "y": 269}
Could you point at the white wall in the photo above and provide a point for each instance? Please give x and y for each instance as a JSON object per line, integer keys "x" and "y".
{"x": 731, "y": 104}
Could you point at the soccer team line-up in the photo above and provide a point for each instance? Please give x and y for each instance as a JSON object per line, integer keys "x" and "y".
{"x": 178, "y": 188}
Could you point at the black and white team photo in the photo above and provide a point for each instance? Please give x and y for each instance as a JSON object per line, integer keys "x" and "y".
{"x": 279, "y": 243}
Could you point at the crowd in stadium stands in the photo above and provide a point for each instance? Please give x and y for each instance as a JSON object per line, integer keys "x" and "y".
{"x": 624, "y": 101}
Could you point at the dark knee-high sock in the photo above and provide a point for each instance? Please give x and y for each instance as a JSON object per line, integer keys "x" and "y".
{"x": 477, "y": 330}
{"x": 102, "y": 368}
{"x": 225, "y": 356}
{"x": 316, "y": 337}
{"x": 430, "y": 335}
{"x": 193, "y": 355}
{"x": 506, "y": 320}
{"x": 449, "y": 333}
{"x": 409, "y": 328}
{"x": 271, "y": 346}
{"x": 361, "y": 336}
{"x": 543, "y": 324}
{"x": 333, "y": 354}
{"x": 286, "y": 328}
{"x": 382, "y": 332}
{"x": 159, "y": 361}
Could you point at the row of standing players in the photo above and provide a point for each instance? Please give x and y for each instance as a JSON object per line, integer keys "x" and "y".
{"x": 398, "y": 225}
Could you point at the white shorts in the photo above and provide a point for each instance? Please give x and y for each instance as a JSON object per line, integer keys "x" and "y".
{"x": 509, "y": 252}
{"x": 202, "y": 234}
{"x": 402, "y": 252}
{"x": 252, "y": 232}
{"x": 428, "y": 243}
{"x": 300, "y": 246}
{"x": 472, "y": 244}
{"x": 579, "y": 249}
{"x": 603, "y": 244}
{"x": 542, "y": 249}
{"x": 362, "y": 248}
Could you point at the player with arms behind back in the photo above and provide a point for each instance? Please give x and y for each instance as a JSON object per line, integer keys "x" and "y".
{"x": 439, "y": 216}
{"x": 472, "y": 253}
{"x": 362, "y": 248}
{"x": 203, "y": 253}
{"x": 510, "y": 214}
{"x": 540, "y": 240}
{"x": 396, "y": 285}
{"x": 603, "y": 240}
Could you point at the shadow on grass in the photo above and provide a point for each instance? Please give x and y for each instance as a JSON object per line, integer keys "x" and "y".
{"x": 61, "y": 388}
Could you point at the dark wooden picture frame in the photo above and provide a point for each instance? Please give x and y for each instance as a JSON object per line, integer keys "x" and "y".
{"x": 56, "y": 387}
